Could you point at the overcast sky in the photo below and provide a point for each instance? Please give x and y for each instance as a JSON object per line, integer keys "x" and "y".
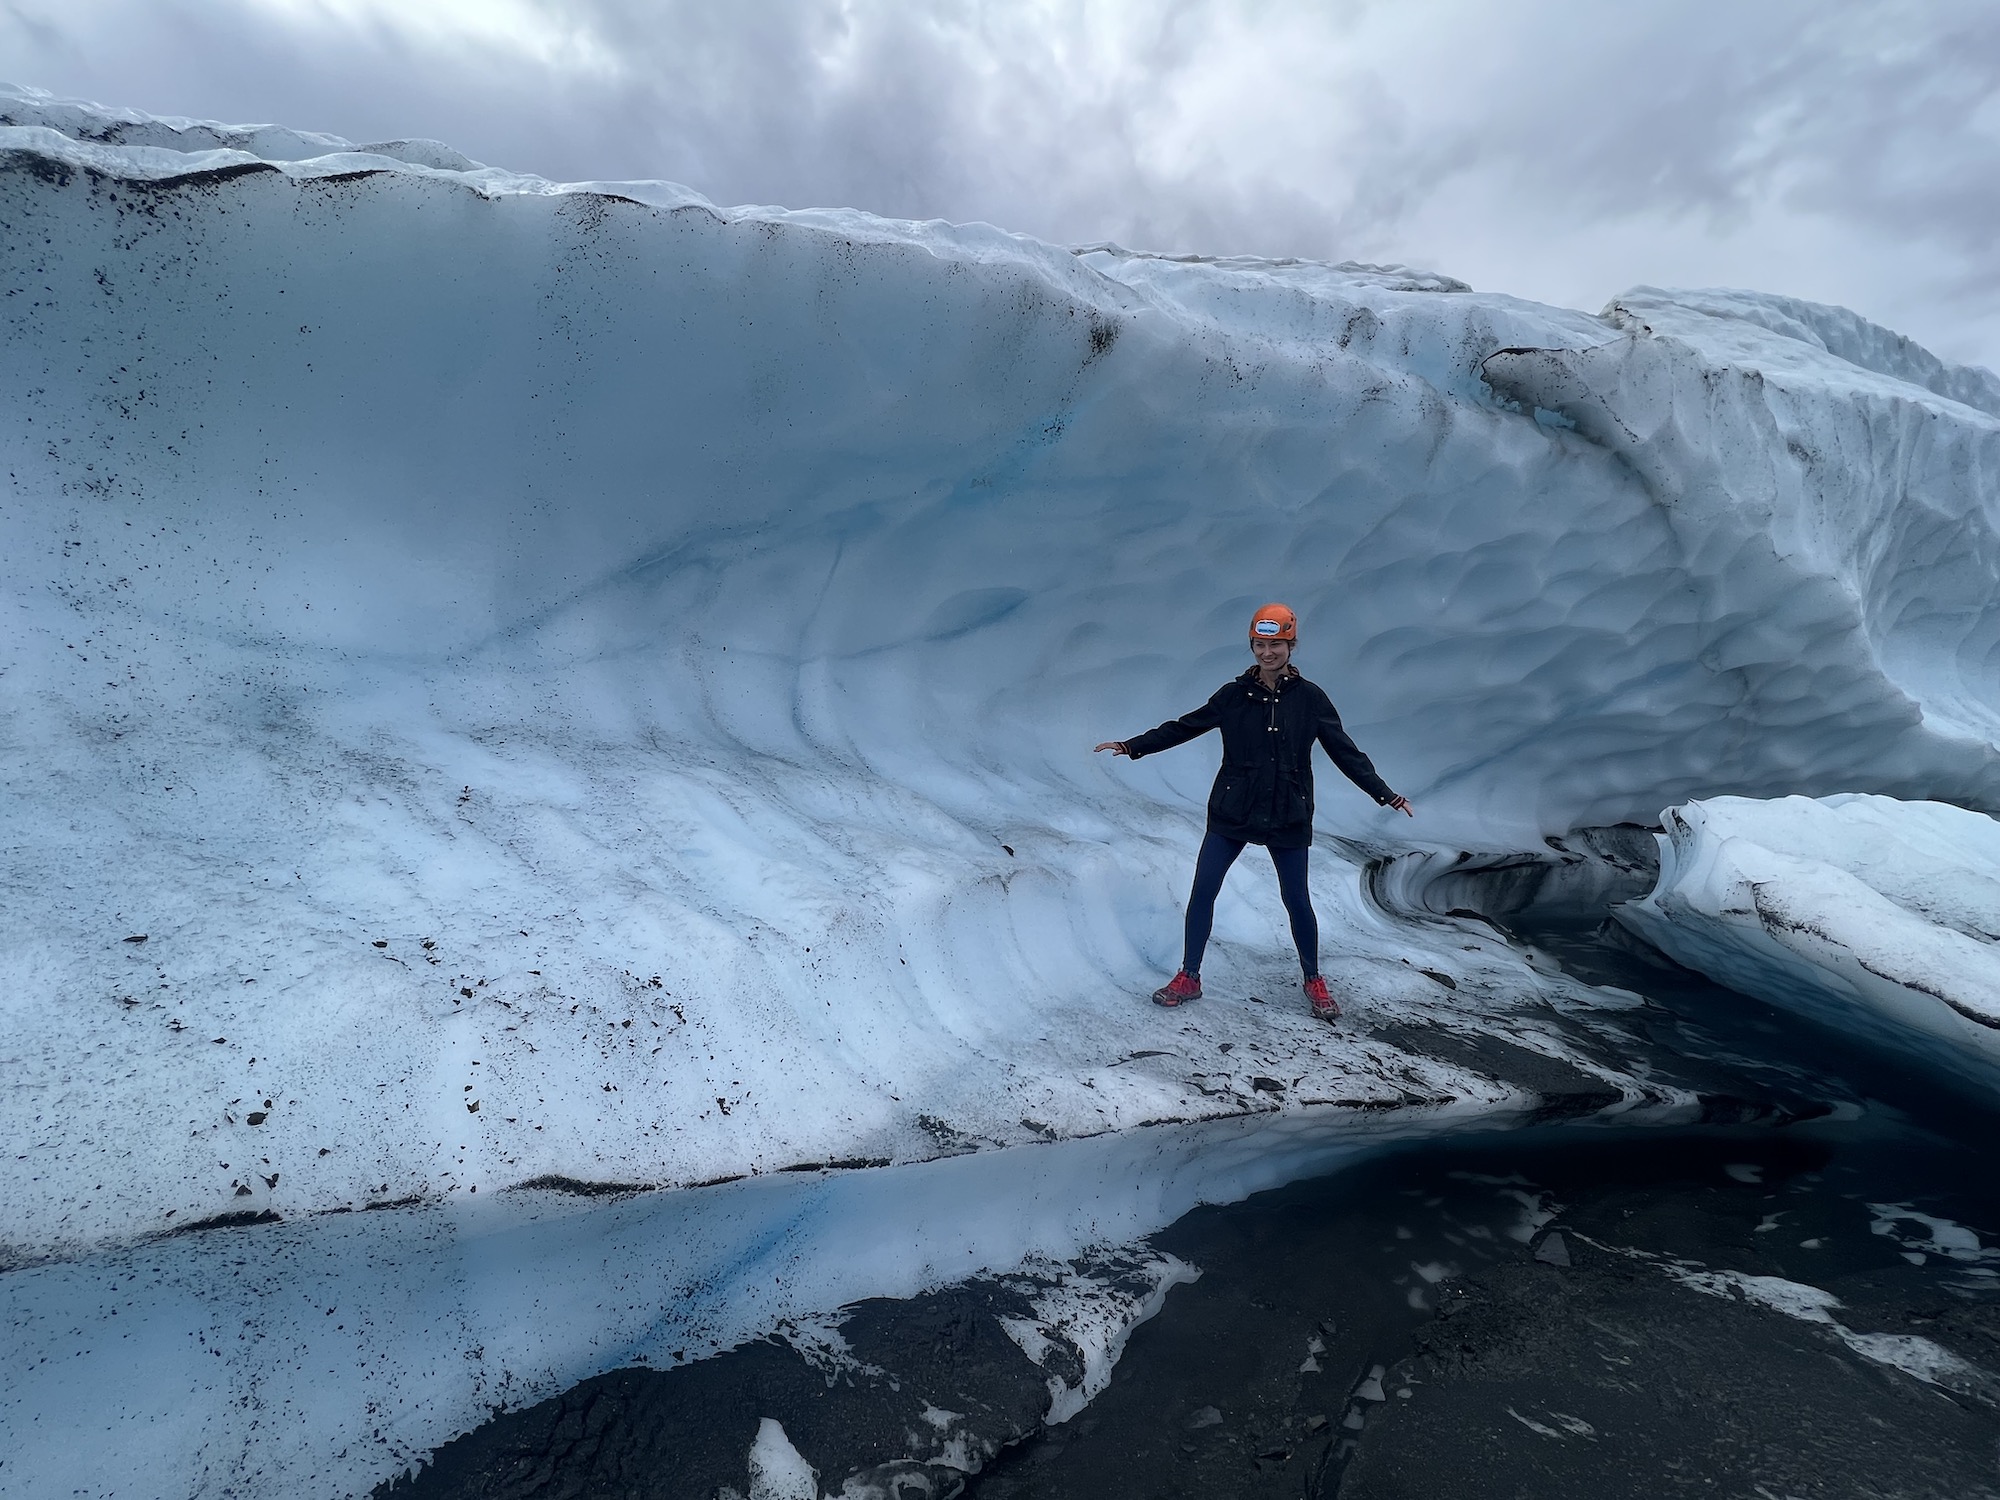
{"x": 1843, "y": 150}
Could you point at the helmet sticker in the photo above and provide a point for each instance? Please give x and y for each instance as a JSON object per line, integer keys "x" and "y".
{"x": 1267, "y": 627}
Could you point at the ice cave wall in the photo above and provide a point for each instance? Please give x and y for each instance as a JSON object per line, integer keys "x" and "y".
{"x": 699, "y": 617}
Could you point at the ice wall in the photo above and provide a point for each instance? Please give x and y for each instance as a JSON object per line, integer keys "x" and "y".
{"x": 569, "y": 679}
{"x": 1877, "y": 917}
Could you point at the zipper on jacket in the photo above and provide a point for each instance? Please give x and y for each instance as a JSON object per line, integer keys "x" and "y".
{"x": 1277, "y": 761}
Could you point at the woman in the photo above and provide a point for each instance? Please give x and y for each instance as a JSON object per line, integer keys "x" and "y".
{"x": 1269, "y": 718}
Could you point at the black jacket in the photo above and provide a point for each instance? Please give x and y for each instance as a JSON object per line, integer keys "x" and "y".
{"x": 1264, "y": 792}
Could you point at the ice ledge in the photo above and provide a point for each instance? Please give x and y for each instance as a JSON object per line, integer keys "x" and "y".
{"x": 1760, "y": 324}
{"x": 1878, "y": 917}
{"x": 166, "y": 166}
{"x": 1468, "y": 1026}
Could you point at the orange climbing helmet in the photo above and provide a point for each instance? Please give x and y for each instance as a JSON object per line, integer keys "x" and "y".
{"x": 1274, "y": 622}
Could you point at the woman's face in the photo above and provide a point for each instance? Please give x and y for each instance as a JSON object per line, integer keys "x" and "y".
{"x": 1271, "y": 655}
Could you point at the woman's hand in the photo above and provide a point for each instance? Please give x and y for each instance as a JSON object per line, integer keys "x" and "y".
{"x": 1116, "y": 747}
{"x": 1402, "y": 805}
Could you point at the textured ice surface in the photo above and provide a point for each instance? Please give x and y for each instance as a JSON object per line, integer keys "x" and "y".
{"x": 1876, "y": 916}
{"x": 592, "y": 685}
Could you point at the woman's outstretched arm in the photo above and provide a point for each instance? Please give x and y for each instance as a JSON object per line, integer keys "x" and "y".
{"x": 1166, "y": 736}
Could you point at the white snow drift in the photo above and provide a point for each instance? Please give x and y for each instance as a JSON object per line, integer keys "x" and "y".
{"x": 1876, "y": 916}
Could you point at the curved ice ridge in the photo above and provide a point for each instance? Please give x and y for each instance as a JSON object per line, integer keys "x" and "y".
{"x": 1881, "y": 918}
{"x": 571, "y": 681}
{"x": 1838, "y": 488}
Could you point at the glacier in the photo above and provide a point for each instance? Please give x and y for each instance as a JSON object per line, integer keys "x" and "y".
{"x": 515, "y": 687}
{"x": 1877, "y": 917}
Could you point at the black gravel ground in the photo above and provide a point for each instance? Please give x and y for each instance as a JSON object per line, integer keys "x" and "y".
{"x": 1604, "y": 1377}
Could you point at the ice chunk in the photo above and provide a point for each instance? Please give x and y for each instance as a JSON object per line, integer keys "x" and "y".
{"x": 1091, "y": 1313}
{"x": 1876, "y": 916}
{"x": 1566, "y": 1425}
{"x": 778, "y": 1471}
{"x": 1941, "y": 1236}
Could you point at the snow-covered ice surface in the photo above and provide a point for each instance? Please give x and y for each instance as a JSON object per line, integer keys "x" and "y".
{"x": 515, "y": 682}
{"x": 1878, "y": 917}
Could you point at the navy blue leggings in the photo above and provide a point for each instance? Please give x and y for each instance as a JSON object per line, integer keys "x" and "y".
{"x": 1217, "y": 855}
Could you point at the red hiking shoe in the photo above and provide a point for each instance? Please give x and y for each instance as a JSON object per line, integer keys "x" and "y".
{"x": 1324, "y": 1005}
{"x": 1182, "y": 988}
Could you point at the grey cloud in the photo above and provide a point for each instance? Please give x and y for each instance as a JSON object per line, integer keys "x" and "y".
{"x": 1721, "y": 136}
